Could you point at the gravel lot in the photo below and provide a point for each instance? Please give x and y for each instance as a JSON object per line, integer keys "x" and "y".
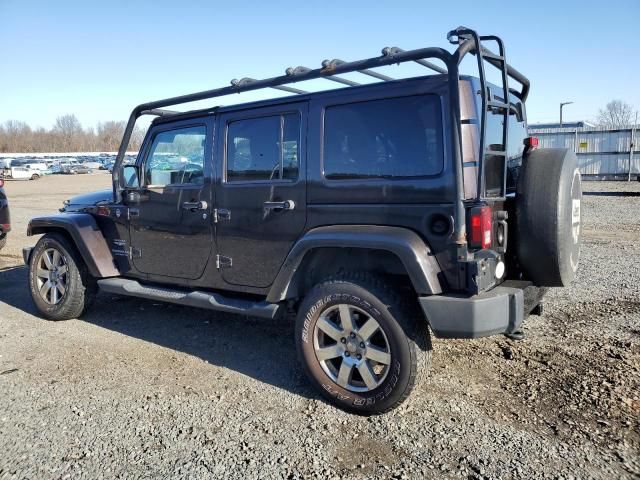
{"x": 141, "y": 389}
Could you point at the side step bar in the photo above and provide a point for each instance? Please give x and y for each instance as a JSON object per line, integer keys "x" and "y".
{"x": 199, "y": 299}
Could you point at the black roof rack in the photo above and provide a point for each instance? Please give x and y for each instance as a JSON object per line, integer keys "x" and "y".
{"x": 468, "y": 41}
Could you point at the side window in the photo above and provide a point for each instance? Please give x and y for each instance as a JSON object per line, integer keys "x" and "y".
{"x": 176, "y": 157}
{"x": 266, "y": 148}
{"x": 390, "y": 138}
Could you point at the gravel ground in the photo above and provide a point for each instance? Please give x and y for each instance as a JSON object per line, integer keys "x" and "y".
{"x": 141, "y": 389}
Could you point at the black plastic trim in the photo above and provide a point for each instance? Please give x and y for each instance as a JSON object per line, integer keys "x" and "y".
{"x": 413, "y": 252}
{"x": 87, "y": 237}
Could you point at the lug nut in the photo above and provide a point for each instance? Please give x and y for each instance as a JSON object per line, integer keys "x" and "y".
{"x": 359, "y": 357}
{"x": 361, "y": 344}
{"x": 347, "y": 354}
{"x": 352, "y": 335}
{"x": 343, "y": 340}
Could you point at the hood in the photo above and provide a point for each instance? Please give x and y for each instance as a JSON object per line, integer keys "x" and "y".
{"x": 88, "y": 200}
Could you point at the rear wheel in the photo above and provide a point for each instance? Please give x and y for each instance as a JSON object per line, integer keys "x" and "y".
{"x": 61, "y": 286}
{"x": 362, "y": 346}
{"x": 3, "y": 241}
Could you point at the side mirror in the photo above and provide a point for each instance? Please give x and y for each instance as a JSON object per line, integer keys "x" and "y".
{"x": 130, "y": 174}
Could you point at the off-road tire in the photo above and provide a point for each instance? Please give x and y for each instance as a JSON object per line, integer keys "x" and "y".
{"x": 403, "y": 324}
{"x": 35, "y": 176}
{"x": 81, "y": 286}
{"x": 548, "y": 217}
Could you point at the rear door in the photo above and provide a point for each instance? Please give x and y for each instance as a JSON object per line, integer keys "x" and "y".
{"x": 261, "y": 194}
{"x": 171, "y": 230}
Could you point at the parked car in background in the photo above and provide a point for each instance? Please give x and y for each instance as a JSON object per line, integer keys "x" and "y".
{"x": 7, "y": 162}
{"x": 77, "y": 169}
{"x": 5, "y": 220}
{"x": 35, "y": 165}
{"x": 38, "y": 168}
{"x": 20, "y": 173}
{"x": 93, "y": 165}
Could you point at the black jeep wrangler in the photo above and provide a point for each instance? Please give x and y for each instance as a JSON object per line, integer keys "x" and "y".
{"x": 378, "y": 212}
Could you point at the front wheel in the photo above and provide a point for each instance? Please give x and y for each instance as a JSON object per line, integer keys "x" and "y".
{"x": 361, "y": 345}
{"x": 61, "y": 286}
{"x": 35, "y": 176}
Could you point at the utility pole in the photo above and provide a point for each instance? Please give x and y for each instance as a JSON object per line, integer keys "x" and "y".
{"x": 562, "y": 104}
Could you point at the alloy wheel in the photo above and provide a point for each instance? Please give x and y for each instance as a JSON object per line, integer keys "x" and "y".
{"x": 52, "y": 276}
{"x": 352, "y": 348}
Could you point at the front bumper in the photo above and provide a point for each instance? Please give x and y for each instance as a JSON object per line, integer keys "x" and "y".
{"x": 500, "y": 310}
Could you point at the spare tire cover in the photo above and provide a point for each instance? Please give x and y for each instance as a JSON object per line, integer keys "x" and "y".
{"x": 548, "y": 216}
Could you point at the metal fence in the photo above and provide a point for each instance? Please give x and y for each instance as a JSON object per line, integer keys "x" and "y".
{"x": 602, "y": 153}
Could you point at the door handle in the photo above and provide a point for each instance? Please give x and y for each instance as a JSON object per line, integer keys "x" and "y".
{"x": 201, "y": 205}
{"x": 284, "y": 205}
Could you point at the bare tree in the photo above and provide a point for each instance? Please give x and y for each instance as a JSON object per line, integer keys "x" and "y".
{"x": 110, "y": 135}
{"x": 69, "y": 131}
{"x": 67, "y": 135}
{"x": 617, "y": 114}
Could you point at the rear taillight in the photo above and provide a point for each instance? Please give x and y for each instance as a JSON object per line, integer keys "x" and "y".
{"x": 531, "y": 143}
{"x": 481, "y": 227}
{"x": 5, "y": 227}
{"x": 1, "y": 183}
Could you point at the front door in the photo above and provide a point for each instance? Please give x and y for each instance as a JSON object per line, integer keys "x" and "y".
{"x": 261, "y": 191}
{"x": 171, "y": 228}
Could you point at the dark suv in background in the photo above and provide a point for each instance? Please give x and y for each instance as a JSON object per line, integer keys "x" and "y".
{"x": 377, "y": 213}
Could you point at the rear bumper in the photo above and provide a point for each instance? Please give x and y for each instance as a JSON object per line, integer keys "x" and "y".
{"x": 501, "y": 310}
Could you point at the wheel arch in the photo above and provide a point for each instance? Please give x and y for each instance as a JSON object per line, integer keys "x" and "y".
{"x": 83, "y": 231}
{"x": 327, "y": 250}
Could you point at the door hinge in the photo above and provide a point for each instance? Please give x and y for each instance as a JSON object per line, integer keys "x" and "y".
{"x": 134, "y": 253}
{"x": 222, "y": 261}
{"x": 221, "y": 214}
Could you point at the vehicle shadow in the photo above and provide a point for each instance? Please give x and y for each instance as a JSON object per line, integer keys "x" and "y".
{"x": 261, "y": 349}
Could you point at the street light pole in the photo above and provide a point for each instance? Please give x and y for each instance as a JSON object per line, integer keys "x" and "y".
{"x": 562, "y": 104}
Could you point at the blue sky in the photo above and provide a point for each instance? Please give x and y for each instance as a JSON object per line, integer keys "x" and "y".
{"x": 100, "y": 59}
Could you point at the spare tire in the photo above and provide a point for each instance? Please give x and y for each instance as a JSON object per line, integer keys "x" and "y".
{"x": 548, "y": 216}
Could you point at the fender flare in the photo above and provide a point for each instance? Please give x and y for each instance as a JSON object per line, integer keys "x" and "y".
{"x": 86, "y": 236}
{"x": 411, "y": 250}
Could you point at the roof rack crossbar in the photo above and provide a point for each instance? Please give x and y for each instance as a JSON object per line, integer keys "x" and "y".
{"x": 246, "y": 81}
{"x": 300, "y": 70}
{"x": 391, "y": 51}
{"x": 159, "y": 112}
{"x": 341, "y": 80}
{"x": 290, "y": 89}
{"x": 329, "y": 64}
